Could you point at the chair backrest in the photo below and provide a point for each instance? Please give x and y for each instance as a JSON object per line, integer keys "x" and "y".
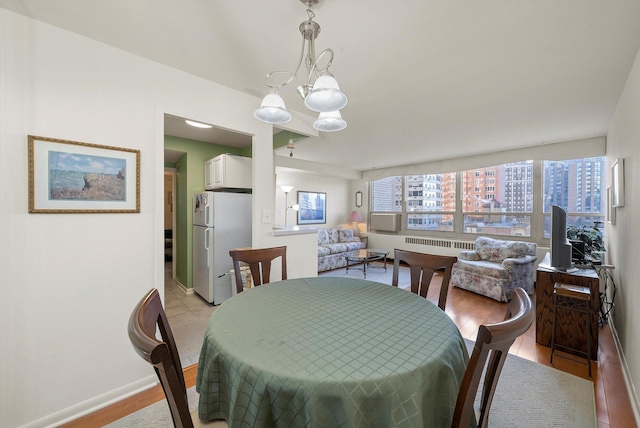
{"x": 163, "y": 355}
{"x": 422, "y": 268}
{"x": 492, "y": 345}
{"x": 259, "y": 261}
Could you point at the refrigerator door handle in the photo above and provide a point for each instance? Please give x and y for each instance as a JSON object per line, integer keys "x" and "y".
{"x": 206, "y": 245}
{"x": 206, "y": 216}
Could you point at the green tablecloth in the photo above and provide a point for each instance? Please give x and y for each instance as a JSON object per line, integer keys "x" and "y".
{"x": 330, "y": 352}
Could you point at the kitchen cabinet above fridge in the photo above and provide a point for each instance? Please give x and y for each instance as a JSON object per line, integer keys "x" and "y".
{"x": 230, "y": 172}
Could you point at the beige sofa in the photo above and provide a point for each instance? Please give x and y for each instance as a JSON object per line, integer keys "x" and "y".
{"x": 334, "y": 244}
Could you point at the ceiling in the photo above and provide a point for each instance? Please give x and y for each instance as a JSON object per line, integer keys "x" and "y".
{"x": 178, "y": 127}
{"x": 426, "y": 80}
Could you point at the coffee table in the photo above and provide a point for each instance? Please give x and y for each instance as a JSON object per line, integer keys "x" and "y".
{"x": 365, "y": 257}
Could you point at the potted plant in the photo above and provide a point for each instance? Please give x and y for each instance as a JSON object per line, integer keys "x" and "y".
{"x": 589, "y": 236}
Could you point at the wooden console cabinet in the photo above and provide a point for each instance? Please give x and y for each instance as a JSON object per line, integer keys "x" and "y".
{"x": 570, "y": 325}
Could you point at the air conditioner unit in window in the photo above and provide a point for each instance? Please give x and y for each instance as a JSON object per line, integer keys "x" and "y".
{"x": 385, "y": 222}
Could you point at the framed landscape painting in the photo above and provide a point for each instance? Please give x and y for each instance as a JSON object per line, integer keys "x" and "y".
{"x": 313, "y": 209}
{"x": 74, "y": 177}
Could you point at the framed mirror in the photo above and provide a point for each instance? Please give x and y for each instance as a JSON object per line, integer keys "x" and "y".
{"x": 358, "y": 199}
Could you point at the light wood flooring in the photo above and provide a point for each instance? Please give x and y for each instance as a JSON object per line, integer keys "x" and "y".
{"x": 468, "y": 311}
{"x": 613, "y": 408}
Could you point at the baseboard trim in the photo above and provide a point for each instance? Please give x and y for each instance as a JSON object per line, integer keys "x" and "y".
{"x": 184, "y": 289}
{"x": 89, "y": 406}
{"x": 633, "y": 396}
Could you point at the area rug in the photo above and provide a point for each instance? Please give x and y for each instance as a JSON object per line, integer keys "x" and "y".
{"x": 528, "y": 395}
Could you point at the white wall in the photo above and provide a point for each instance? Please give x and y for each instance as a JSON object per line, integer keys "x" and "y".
{"x": 623, "y": 141}
{"x": 69, "y": 281}
{"x": 337, "y": 190}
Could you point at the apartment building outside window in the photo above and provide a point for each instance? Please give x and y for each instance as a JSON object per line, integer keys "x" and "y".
{"x": 429, "y": 206}
{"x": 496, "y": 200}
{"x": 387, "y": 194}
{"x": 579, "y": 187}
{"x": 505, "y": 206}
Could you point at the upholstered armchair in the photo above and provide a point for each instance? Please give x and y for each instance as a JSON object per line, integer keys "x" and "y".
{"x": 496, "y": 267}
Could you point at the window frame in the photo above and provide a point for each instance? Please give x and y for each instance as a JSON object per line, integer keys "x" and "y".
{"x": 405, "y": 214}
{"x": 537, "y": 215}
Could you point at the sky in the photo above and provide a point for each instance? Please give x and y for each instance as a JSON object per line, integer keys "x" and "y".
{"x": 85, "y": 163}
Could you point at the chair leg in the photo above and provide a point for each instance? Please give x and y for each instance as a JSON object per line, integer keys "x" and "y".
{"x": 553, "y": 329}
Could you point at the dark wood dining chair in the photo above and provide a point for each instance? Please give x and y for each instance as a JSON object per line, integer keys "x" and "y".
{"x": 422, "y": 268}
{"x": 259, "y": 261}
{"x": 492, "y": 345}
{"x": 163, "y": 356}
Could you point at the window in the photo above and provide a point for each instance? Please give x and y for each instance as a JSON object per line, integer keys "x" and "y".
{"x": 430, "y": 202}
{"x": 505, "y": 207}
{"x": 387, "y": 194}
{"x": 497, "y": 200}
{"x": 577, "y": 186}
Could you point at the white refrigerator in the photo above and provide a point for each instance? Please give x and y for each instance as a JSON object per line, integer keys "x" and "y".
{"x": 221, "y": 222}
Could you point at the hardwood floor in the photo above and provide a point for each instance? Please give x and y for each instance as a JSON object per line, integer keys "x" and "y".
{"x": 613, "y": 407}
{"x": 468, "y": 311}
{"x": 130, "y": 405}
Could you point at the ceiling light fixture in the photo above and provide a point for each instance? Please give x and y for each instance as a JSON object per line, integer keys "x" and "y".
{"x": 319, "y": 89}
{"x": 330, "y": 122}
{"x": 290, "y": 146}
{"x": 197, "y": 124}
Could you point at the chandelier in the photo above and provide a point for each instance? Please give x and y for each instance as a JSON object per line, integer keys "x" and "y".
{"x": 318, "y": 87}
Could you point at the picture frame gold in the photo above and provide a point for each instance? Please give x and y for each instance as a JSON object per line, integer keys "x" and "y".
{"x": 72, "y": 177}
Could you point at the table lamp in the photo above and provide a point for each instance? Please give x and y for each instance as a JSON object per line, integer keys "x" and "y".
{"x": 354, "y": 218}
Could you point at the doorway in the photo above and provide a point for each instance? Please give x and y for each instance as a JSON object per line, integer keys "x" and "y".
{"x": 169, "y": 222}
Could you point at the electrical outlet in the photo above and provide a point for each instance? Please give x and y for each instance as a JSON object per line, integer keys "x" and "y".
{"x": 266, "y": 216}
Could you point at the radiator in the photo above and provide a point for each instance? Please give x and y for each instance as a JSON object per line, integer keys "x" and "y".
{"x": 385, "y": 222}
{"x": 434, "y": 242}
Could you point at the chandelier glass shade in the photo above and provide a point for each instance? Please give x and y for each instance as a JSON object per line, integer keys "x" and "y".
{"x": 326, "y": 95}
{"x": 272, "y": 109}
{"x": 330, "y": 122}
{"x": 318, "y": 87}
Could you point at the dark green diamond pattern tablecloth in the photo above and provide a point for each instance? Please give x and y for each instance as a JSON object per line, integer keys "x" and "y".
{"x": 330, "y": 352}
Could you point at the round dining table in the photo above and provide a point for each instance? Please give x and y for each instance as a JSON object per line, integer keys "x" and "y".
{"x": 330, "y": 352}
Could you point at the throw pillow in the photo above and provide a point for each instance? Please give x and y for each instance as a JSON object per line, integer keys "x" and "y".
{"x": 346, "y": 235}
{"x": 323, "y": 237}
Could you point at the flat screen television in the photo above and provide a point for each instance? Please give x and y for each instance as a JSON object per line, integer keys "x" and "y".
{"x": 560, "y": 246}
